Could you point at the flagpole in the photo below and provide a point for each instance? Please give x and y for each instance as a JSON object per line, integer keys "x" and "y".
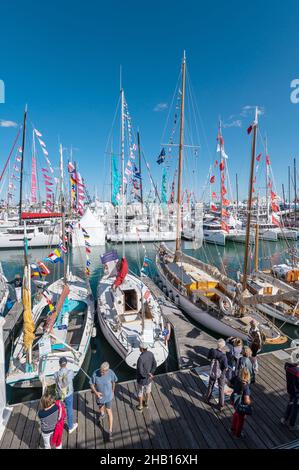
{"x": 181, "y": 155}
{"x": 139, "y": 159}
{"x": 22, "y": 164}
{"x": 123, "y": 169}
{"x": 249, "y": 203}
{"x": 62, "y": 210}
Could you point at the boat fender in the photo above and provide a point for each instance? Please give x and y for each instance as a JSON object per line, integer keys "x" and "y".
{"x": 94, "y": 332}
{"x": 226, "y": 305}
{"x": 167, "y": 338}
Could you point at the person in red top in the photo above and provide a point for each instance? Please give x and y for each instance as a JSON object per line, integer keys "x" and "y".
{"x": 123, "y": 270}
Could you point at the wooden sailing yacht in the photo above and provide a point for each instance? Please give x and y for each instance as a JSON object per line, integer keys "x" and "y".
{"x": 209, "y": 297}
{"x": 59, "y": 324}
{"x": 130, "y": 313}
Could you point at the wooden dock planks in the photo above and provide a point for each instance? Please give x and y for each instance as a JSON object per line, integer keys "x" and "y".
{"x": 177, "y": 417}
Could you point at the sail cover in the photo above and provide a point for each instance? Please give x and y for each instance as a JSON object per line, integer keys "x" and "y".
{"x": 28, "y": 327}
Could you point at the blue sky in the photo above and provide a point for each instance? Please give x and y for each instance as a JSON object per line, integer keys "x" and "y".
{"x": 63, "y": 58}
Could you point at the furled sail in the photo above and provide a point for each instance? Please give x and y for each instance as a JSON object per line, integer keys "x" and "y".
{"x": 29, "y": 326}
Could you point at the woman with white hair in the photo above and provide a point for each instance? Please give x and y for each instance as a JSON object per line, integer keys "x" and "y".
{"x": 102, "y": 383}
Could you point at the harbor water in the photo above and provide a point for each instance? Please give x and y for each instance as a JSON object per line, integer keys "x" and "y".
{"x": 228, "y": 259}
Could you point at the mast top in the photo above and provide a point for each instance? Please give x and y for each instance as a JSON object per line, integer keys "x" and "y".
{"x": 184, "y": 56}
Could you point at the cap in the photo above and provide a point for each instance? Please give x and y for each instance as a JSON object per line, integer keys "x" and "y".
{"x": 143, "y": 345}
{"x": 62, "y": 361}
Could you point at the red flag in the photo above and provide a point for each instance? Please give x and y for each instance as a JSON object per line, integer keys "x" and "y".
{"x": 214, "y": 195}
{"x": 249, "y": 129}
{"x": 273, "y": 195}
{"x": 275, "y": 207}
{"x": 275, "y": 221}
{"x": 258, "y": 158}
{"x": 220, "y": 139}
{"x": 267, "y": 160}
{"x": 212, "y": 179}
{"x": 221, "y": 166}
{"x": 213, "y": 208}
{"x": 224, "y": 213}
{"x": 225, "y": 202}
{"x": 223, "y": 191}
{"x": 216, "y": 163}
{"x": 224, "y": 226}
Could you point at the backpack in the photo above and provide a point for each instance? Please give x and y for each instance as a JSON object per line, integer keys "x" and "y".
{"x": 215, "y": 371}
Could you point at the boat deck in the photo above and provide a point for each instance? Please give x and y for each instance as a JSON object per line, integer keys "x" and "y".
{"x": 177, "y": 417}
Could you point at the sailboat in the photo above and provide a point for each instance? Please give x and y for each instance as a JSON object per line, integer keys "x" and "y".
{"x": 129, "y": 314}
{"x": 59, "y": 324}
{"x": 209, "y": 297}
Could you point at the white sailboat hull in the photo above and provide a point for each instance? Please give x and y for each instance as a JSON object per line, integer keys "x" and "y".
{"x": 46, "y": 367}
{"x": 125, "y": 338}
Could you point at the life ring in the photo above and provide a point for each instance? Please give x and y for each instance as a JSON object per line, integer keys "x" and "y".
{"x": 226, "y": 305}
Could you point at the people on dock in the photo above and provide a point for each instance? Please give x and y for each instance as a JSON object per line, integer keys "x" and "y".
{"x": 292, "y": 379}
{"x": 241, "y": 401}
{"x": 51, "y": 414}
{"x": 218, "y": 370}
{"x": 146, "y": 367}
{"x": 17, "y": 282}
{"x": 102, "y": 383}
{"x": 255, "y": 342}
{"x": 245, "y": 362}
{"x": 233, "y": 355}
{"x": 65, "y": 390}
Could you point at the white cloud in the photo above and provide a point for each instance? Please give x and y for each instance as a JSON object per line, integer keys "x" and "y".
{"x": 160, "y": 107}
{"x": 236, "y": 123}
{"x": 4, "y": 123}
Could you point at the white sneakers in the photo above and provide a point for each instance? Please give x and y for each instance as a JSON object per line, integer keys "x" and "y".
{"x": 73, "y": 428}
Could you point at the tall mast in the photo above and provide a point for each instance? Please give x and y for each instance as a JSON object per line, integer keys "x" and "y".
{"x": 256, "y": 247}
{"x": 295, "y": 190}
{"x": 22, "y": 164}
{"x": 220, "y": 172}
{"x": 283, "y": 196}
{"x": 289, "y": 189}
{"x": 122, "y": 139}
{"x": 139, "y": 159}
{"x": 181, "y": 154}
{"x": 249, "y": 203}
{"x": 267, "y": 180}
{"x": 237, "y": 193}
{"x": 62, "y": 208}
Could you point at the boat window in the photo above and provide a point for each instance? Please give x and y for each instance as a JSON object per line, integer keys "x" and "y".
{"x": 131, "y": 301}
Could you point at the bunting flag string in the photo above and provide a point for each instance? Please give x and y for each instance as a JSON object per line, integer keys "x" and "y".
{"x": 87, "y": 251}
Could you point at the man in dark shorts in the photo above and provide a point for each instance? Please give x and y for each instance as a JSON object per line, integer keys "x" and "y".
{"x": 102, "y": 384}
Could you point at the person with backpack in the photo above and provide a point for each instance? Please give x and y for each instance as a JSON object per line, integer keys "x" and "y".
{"x": 292, "y": 378}
{"x": 65, "y": 391}
{"x": 233, "y": 355}
{"x": 241, "y": 401}
{"x": 218, "y": 369}
{"x": 255, "y": 342}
